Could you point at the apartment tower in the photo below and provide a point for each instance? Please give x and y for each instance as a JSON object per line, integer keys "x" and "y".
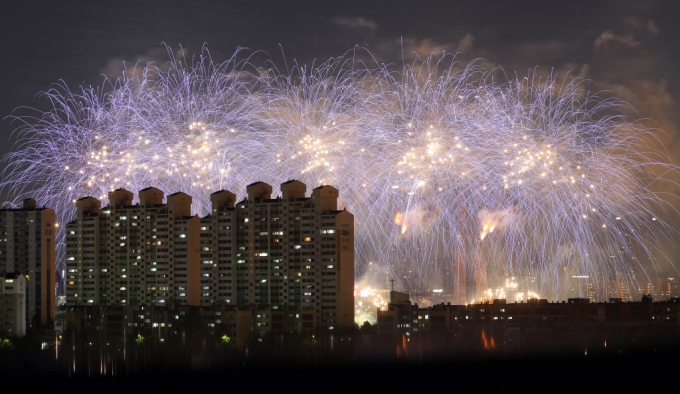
{"x": 132, "y": 254}
{"x": 291, "y": 251}
{"x": 27, "y": 245}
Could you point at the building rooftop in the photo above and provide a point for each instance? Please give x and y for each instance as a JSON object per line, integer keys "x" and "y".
{"x": 176, "y": 194}
{"x": 13, "y": 275}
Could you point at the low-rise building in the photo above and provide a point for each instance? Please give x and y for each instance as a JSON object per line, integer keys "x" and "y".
{"x": 402, "y": 317}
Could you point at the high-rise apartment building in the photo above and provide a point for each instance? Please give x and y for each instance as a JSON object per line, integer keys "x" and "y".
{"x": 27, "y": 245}
{"x": 132, "y": 254}
{"x": 292, "y": 251}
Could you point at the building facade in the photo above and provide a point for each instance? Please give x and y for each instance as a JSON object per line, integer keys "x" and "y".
{"x": 292, "y": 251}
{"x": 13, "y": 304}
{"x": 132, "y": 254}
{"x": 27, "y": 245}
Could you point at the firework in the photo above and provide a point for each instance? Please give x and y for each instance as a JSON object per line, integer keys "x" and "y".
{"x": 452, "y": 177}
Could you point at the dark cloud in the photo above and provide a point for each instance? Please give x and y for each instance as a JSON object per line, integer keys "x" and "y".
{"x": 359, "y": 24}
{"x": 608, "y": 37}
{"x": 134, "y": 66}
{"x": 651, "y": 26}
{"x": 465, "y": 43}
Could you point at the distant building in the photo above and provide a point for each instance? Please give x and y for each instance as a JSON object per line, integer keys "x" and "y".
{"x": 403, "y": 318}
{"x": 27, "y": 245}
{"x": 293, "y": 252}
{"x": 13, "y": 304}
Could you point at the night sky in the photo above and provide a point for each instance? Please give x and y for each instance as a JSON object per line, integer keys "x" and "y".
{"x": 629, "y": 48}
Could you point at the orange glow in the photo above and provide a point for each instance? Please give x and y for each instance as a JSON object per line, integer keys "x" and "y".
{"x": 489, "y": 343}
{"x": 400, "y": 218}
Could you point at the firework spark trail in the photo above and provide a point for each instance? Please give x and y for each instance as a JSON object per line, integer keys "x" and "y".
{"x": 539, "y": 169}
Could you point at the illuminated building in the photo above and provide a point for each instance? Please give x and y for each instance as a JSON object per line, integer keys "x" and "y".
{"x": 132, "y": 254}
{"x": 672, "y": 286}
{"x": 13, "y": 304}
{"x": 509, "y": 320}
{"x": 291, "y": 252}
{"x": 27, "y": 245}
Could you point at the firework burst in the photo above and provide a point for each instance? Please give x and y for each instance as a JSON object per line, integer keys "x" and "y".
{"x": 441, "y": 166}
